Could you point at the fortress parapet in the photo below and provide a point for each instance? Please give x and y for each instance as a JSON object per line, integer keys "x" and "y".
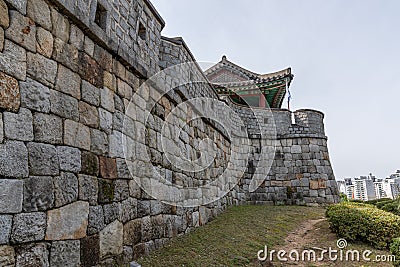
{"x": 307, "y": 123}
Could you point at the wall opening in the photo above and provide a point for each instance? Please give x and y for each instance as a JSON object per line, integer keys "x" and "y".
{"x": 142, "y": 31}
{"x": 101, "y": 16}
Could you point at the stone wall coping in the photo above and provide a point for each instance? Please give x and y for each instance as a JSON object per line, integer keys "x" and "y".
{"x": 310, "y": 110}
{"x": 155, "y": 13}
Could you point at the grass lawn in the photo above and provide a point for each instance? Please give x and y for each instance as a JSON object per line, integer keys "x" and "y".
{"x": 235, "y": 237}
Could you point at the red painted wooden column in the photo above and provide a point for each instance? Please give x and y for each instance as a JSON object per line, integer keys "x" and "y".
{"x": 262, "y": 101}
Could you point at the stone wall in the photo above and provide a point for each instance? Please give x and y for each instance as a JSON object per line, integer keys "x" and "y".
{"x": 301, "y": 172}
{"x": 68, "y": 197}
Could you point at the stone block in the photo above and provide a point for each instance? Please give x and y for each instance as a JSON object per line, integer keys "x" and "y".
{"x": 68, "y": 222}
{"x": 108, "y": 167}
{"x": 143, "y": 208}
{"x": 38, "y": 193}
{"x": 19, "y": 5}
{"x": 90, "y": 250}
{"x": 32, "y": 255}
{"x": 155, "y": 207}
{"x": 19, "y": 126}
{"x": 139, "y": 250}
{"x": 77, "y": 37}
{"x": 158, "y": 226}
{"x": 76, "y": 135}
{"x": 110, "y": 81}
{"x": 13, "y": 60}
{"x": 64, "y": 105}
{"x": 39, "y": 11}
{"x": 127, "y": 255}
{"x": 133, "y": 232}
{"x": 128, "y": 210}
{"x": 68, "y": 82}
{"x": 70, "y": 158}
{"x": 88, "y": 115}
{"x": 89, "y": 46}
{"x": 111, "y": 212}
{"x": 35, "y": 96}
{"x": 99, "y": 142}
{"x": 44, "y": 42}
{"x": 314, "y": 148}
{"x": 22, "y": 31}
{"x": 295, "y": 149}
{"x": 107, "y": 99}
{"x": 122, "y": 169}
{"x": 65, "y": 54}
{"x": 88, "y": 188}
{"x": 4, "y": 19}
{"x": 90, "y": 93}
{"x": 7, "y": 256}
{"x": 5, "y": 229}
{"x": 41, "y": 69}
{"x": 65, "y": 253}
{"x": 66, "y": 189}
{"x": 47, "y": 128}
{"x": 28, "y": 227}
{"x": 119, "y": 104}
{"x": 43, "y": 159}
{"x": 196, "y": 219}
{"x": 1, "y": 39}
{"x": 96, "y": 220}
{"x": 111, "y": 238}
{"x": 147, "y": 233}
{"x": 106, "y": 191}
{"x": 121, "y": 190}
{"x": 317, "y": 184}
{"x": 14, "y": 160}
{"x": 90, "y": 70}
{"x": 90, "y": 163}
{"x": 116, "y": 146}
{"x": 61, "y": 26}
{"x": 106, "y": 120}
{"x": 1, "y": 128}
{"x": 124, "y": 89}
{"x": 103, "y": 57}
{"x": 10, "y": 98}
{"x": 305, "y": 182}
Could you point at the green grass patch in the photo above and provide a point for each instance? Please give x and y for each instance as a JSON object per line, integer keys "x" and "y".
{"x": 234, "y": 237}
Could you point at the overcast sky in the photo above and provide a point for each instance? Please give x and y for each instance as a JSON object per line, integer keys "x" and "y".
{"x": 344, "y": 55}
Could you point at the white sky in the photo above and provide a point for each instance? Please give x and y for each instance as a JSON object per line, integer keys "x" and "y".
{"x": 344, "y": 55}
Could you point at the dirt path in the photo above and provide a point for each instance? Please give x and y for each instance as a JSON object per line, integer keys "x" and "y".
{"x": 299, "y": 240}
{"x": 316, "y": 235}
{"x": 302, "y": 236}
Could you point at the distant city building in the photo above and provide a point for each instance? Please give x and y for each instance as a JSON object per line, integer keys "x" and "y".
{"x": 391, "y": 186}
{"x": 364, "y": 188}
{"x": 379, "y": 189}
{"x": 369, "y": 187}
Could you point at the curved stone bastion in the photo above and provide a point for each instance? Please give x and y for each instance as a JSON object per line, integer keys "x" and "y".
{"x": 88, "y": 128}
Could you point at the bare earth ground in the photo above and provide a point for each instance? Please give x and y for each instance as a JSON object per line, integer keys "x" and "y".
{"x": 235, "y": 237}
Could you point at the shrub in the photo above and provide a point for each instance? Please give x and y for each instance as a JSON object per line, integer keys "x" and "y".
{"x": 343, "y": 197}
{"x": 363, "y": 222}
{"x": 392, "y": 207}
{"x": 375, "y": 201}
{"x": 395, "y": 250}
{"x": 356, "y": 201}
{"x": 383, "y": 203}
